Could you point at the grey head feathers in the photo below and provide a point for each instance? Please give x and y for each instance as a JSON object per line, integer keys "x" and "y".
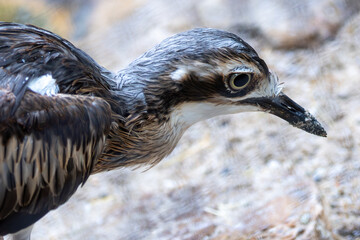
{"x": 188, "y": 66}
{"x": 200, "y": 44}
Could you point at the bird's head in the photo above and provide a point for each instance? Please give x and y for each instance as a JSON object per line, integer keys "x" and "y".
{"x": 204, "y": 73}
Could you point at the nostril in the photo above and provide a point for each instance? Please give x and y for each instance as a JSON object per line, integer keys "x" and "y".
{"x": 290, "y": 108}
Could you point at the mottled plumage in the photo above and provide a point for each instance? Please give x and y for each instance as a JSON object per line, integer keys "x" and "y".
{"x": 63, "y": 117}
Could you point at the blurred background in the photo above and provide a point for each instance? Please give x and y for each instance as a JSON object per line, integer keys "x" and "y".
{"x": 245, "y": 176}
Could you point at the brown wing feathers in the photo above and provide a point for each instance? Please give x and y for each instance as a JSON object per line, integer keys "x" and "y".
{"x": 48, "y": 144}
{"x": 49, "y": 141}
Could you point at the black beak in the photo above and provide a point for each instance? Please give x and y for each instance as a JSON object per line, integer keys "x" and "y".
{"x": 285, "y": 108}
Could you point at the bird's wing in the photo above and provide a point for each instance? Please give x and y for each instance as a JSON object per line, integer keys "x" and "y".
{"x": 48, "y": 147}
{"x": 52, "y": 127}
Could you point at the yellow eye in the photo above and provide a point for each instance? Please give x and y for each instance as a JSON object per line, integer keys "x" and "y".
{"x": 238, "y": 81}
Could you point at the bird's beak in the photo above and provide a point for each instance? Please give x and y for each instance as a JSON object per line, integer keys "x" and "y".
{"x": 285, "y": 108}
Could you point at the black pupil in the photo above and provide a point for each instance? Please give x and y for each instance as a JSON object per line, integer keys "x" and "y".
{"x": 241, "y": 80}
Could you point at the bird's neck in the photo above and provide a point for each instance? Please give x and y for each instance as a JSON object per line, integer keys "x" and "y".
{"x": 149, "y": 120}
{"x": 145, "y": 144}
{"x": 140, "y": 134}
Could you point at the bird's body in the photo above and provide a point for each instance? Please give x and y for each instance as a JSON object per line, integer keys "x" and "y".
{"x": 63, "y": 117}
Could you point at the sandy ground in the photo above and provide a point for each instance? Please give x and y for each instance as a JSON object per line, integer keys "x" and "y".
{"x": 245, "y": 176}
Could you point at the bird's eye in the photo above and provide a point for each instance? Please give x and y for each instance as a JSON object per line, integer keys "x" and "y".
{"x": 238, "y": 81}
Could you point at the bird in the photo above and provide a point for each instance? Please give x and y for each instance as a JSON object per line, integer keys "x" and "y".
{"x": 63, "y": 117}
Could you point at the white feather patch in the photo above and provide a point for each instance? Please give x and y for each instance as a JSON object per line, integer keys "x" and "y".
{"x": 44, "y": 85}
{"x": 179, "y": 74}
{"x": 275, "y": 87}
{"x": 189, "y": 113}
{"x": 199, "y": 68}
{"x": 267, "y": 88}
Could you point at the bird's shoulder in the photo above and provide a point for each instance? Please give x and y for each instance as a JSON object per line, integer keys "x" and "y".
{"x": 29, "y": 54}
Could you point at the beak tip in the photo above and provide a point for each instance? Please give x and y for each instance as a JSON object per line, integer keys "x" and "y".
{"x": 285, "y": 108}
{"x": 311, "y": 125}
{"x": 321, "y": 132}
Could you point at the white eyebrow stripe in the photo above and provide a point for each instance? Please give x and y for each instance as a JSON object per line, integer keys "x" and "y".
{"x": 179, "y": 73}
{"x": 44, "y": 85}
{"x": 199, "y": 68}
{"x": 243, "y": 69}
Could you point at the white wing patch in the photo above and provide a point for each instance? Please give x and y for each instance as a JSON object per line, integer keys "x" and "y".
{"x": 44, "y": 85}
